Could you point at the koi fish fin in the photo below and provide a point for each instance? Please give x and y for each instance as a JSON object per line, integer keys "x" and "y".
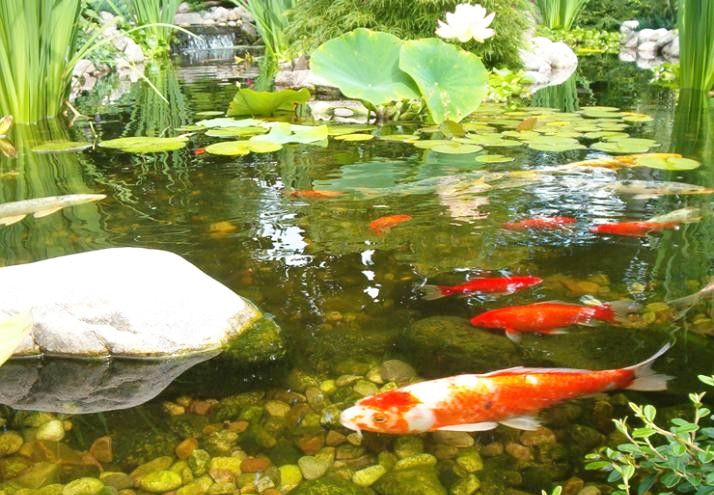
{"x": 522, "y": 422}
{"x": 620, "y": 309}
{"x": 11, "y": 220}
{"x": 432, "y": 292}
{"x": 48, "y": 211}
{"x": 513, "y": 336}
{"x": 485, "y": 426}
{"x": 646, "y": 196}
{"x": 647, "y": 379}
{"x": 556, "y": 331}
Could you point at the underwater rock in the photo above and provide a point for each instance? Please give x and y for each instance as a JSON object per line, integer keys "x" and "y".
{"x": 448, "y": 345}
{"x": 416, "y": 481}
{"x": 127, "y": 302}
{"x": 330, "y": 486}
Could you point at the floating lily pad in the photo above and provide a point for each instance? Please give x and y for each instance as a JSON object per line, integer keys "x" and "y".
{"x": 61, "y": 146}
{"x": 492, "y": 140}
{"x": 430, "y": 143}
{"x": 400, "y": 137}
{"x": 564, "y": 133}
{"x": 229, "y": 122}
{"x": 240, "y": 148}
{"x": 190, "y": 128}
{"x": 235, "y": 131}
{"x": 282, "y": 132}
{"x": 601, "y": 114}
{"x": 209, "y": 113}
{"x": 667, "y": 163}
{"x": 495, "y": 158}
{"x": 355, "y": 137}
{"x": 556, "y": 147}
{"x": 520, "y": 134}
{"x": 431, "y": 129}
{"x": 625, "y": 145}
{"x": 636, "y": 117}
{"x": 607, "y": 135}
{"x": 595, "y": 108}
{"x": 476, "y": 127}
{"x": 456, "y": 148}
{"x": 145, "y": 144}
{"x": 340, "y": 129}
{"x": 611, "y": 126}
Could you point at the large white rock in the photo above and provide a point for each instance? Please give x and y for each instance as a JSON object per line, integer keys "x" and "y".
{"x": 548, "y": 63}
{"x": 122, "y": 302}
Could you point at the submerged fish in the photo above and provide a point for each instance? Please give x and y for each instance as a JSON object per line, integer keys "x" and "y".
{"x": 479, "y": 402}
{"x": 39, "y": 207}
{"x": 199, "y": 151}
{"x": 683, "y": 215}
{"x": 540, "y": 223}
{"x": 633, "y": 229}
{"x": 544, "y": 317}
{"x": 644, "y": 189}
{"x": 315, "y": 193}
{"x": 494, "y": 285}
{"x": 383, "y": 224}
{"x": 684, "y": 304}
{"x": 617, "y": 161}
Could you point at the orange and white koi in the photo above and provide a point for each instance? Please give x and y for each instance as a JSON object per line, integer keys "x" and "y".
{"x": 383, "y": 224}
{"x": 480, "y": 402}
{"x": 315, "y": 193}
{"x": 540, "y": 223}
{"x": 492, "y": 285}
{"x": 633, "y": 229}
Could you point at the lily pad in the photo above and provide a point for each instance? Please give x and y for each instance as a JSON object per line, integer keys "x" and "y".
{"x": 355, "y": 137}
{"x": 636, "y": 117}
{"x": 492, "y": 141}
{"x": 556, "y": 147}
{"x": 240, "y": 148}
{"x": 190, "y": 128}
{"x": 251, "y": 102}
{"x": 495, "y": 158}
{"x": 625, "y": 145}
{"x": 364, "y": 64}
{"x": 400, "y": 137}
{"x": 228, "y": 122}
{"x": 601, "y": 114}
{"x": 607, "y": 135}
{"x": 430, "y": 143}
{"x": 210, "y": 113}
{"x": 282, "y": 132}
{"x": 339, "y": 129}
{"x": 669, "y": 163}
{"x": 452, "y": 81}
{"x": 235, "y": 131}
{"x": 456, "y": 148}
{"x": 61, "y": 146}
{"x": 145, "y": 144}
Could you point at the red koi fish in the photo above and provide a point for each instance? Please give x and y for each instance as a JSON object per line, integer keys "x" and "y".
{"x": 544, "y": 317}
{"x": 199, "y": 151}
{"x": 479, "y": 402}
{"x": 540, "y": 223}
{"x": 633, "y": 229}
{"x": 383, "y": 224}
{"x": 315, "y": 193}
{"x": 496, "y": 285}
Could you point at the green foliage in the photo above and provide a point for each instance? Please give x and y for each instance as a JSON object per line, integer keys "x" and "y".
{"x": 608, "y": 15}
{"x": 260, "y": 103}
{"x": 585, "y": 41}
{"x": 560, "y": 14}
{"x": 507, "y": 86}
{"x": 157, "y": 17}
{"x": 316, "y": 21}
{"x": 666, "y": 75}
{"x": 658, "y": 460}
{"x": 696, "y": 41}
{"x": 271, "y": 20}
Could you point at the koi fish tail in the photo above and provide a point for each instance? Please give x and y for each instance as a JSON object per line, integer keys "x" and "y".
{"x": 612, "y": 311}
{"x": 432, "y": 292}
{"x": 647, "y": 379}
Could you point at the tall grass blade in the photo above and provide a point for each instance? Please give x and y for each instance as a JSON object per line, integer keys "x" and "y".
{"x": 157, "y": 16}
{"x": 560, "y": 14}
{"x": 696, "y": 42}
{"x": 271, "y": 20}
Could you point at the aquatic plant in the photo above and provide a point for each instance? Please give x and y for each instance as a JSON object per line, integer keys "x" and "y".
{"x": 156, "y": 16}
{"x": 271, "y": 20}
{"x": 608, "y": 15}
{"x": 677, "y": 459}
{"x": 316, "y": 21}
{"x": 696, "y": 40}
{"x": 560, "y": 14}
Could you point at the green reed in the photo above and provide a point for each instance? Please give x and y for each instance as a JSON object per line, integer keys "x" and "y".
{"x": 271, "y": 20}
{"x": 696, "y": 41}
{"x": 157, "y": 17}
{"x": 560, "y": 14}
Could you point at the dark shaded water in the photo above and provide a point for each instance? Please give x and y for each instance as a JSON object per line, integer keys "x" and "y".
{"x": 348, "y": 299}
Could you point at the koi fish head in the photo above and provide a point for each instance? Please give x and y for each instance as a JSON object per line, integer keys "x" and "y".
{"x": 395, "y": 412}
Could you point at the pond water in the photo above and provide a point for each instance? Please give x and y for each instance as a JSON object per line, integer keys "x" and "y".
{"x": 348, "y": 299}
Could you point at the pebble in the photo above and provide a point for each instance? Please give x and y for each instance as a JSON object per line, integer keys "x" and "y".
{"x": 52, "y": 431}
{"x": 572, "y": 486}
{"x": 83, "y": 486}
{"x": 466, "y": 486}
{"x": 344, "y": 380}
{"x": 118, "y": 480}
{"x": 255, "y": 464}
{"x": 277, "y": 408}
{"x": 158, "y": 464}
{"x": 184, "y": 449}
{"x": 222, "y": 488}
{"x": 310, "y": 444}
{"x": 198, "y": 461}
{"x": 328, "y": 386}
{"x": 365, "y": 388}
{"x": 459, "y": 439}
{"x": 173, "y": 409}
{"x": 398, "y": 371}
{"x": 375, "y": 376}
{"x": 408, "y": 446}
{"x": 238, "y": 426}
{"x": 519, "y": 452}
{"x": 369, "y": 475}
{"x": 10, "y": 442}
{"x": 470, "y": 460}
{"x": 443, "y": 451}
{"x": 354, "y": 438}
{"x": 588, "y": 490}
{"x": 160, "y": 481}
{"x": 101, "y": 449}
{"x": 290, "y": 476}
{"x": 541, "y": 436}
{"x": 414, "y": 461}
{"x": 202, "y": 407}
{"x": 335, "y": 438}
{"x": 316, "y": 398}
{"x": 224, "y": 468}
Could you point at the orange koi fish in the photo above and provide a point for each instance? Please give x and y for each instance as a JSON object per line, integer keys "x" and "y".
{"x": 633, "y": 229}
{"x": 511, "y": 397}
{"x": 495, "y": 285}
{"x": 540, "y": 223}
{"x": 544, "y": 317}
{"x": 199, "y": 151}
{"x": 315, "y": 193}
{"x": 383, "y": 224}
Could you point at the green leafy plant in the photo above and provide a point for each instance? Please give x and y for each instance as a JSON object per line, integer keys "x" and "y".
{"x": 658, "y": 460}
{"x": 271, "y": 20}
{"x": 585, "y": 41}
{"x": 313, "y": 22}
{"x": 696, "y": 41}
{"x": 560, "y": 14}
{"x": 379, "y": 68}
{"x": 608, "y": 15}
{"x": 507, "y": 86}
{"x": 157, "y": 17}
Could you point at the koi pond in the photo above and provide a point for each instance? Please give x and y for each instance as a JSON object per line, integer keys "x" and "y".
{"x": 336, "y": 238}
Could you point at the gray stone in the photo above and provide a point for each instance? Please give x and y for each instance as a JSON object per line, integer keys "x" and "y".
{"x": 646, "y": 35}
{"x": 548, "y": 63}
{"x": 629, "y": 26}
{"x": 184, "y": 7}
{"x": 128, "y": 302}
{"x": 188, "y": 19}
{"x": 647, "y": 50}
{"x": 671, "y": 51}
{"x": 133, "y": 52}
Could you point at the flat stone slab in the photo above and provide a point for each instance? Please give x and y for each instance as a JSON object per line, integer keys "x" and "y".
{"x": 122, "y": 302}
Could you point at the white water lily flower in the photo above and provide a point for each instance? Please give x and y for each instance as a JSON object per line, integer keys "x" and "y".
{"x": 467, "y": 22}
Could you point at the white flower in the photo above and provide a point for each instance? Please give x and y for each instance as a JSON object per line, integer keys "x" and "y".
{"x": 466, "y": 22}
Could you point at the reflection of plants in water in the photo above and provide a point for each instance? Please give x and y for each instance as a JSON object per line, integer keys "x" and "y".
{"x": 564, "y": 96}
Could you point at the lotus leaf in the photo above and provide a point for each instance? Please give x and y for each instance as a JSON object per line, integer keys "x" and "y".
{"x": 251, "y": 102}
{"x": 400, "y": 137}
{"x": 282, "y": 132}
{"x": 235, "y": 131}
{"x": 61, "y": 146}
{"x": 476, "y": 127}
{"x": 611, "y": 126}
{"x": 452, "y": 81}
{"x": 240, "y": 148}
{"x": 355, "y": 137}
{"x": 495, "y": 158}
{"x": 228, "y": 122}
{"x": 667, "y": 163}
{"x": 364, "y": 64}
{"x": 144, "y": 144}
{"x": 625, "y": 145}
{"x": 564, "y": 133}
{"x": 430, "y": 129}
{"x": 339, "y": 129}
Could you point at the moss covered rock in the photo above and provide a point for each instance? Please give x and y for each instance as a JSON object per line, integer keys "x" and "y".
{"x": 330, "y": 486}
{"x": 416, "y": 481}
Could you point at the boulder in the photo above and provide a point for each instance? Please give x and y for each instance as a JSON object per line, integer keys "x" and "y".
{"x": 671, "y": 51}
{"x": 188, "y": 19}
{"x": 548, "y": 63}
{"x": 629, "y": 26}
{"x": 122, "y": 302}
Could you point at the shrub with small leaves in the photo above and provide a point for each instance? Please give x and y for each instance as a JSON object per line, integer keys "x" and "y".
{"x": 679, "y": 459}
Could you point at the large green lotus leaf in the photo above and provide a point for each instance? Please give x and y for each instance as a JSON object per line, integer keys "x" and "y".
{"x": 282, "y": 132}
{"x": 667, "y": 163}
{"x": 364, "y": 64}
{"x": 144, "y": 144}
{"x": 407, "y": 138}
{"x": 61, "y": 146}
{"x": 256, "y": 103}
{"x": 452, "y": 81}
